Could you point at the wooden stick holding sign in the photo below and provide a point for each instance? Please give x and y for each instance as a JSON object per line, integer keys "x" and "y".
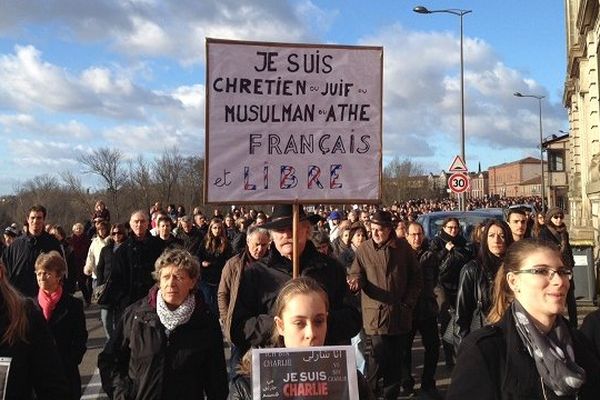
{"x": 295, "y": 252}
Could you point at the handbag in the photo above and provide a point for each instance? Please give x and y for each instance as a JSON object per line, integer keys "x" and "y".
{"x": 100, "y": 293}
{"x": 452, "y": 333}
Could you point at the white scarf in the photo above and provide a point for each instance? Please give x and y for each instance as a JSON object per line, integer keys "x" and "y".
{"x": 179, "y": 316}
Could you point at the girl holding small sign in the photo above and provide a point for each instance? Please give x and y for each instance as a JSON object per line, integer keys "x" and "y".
{"x": 301, "y": 321}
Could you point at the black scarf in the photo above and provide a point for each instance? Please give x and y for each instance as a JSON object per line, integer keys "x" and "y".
{"x": 457, "y": 240}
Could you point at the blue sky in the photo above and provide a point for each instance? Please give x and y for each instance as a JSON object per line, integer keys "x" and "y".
{"x": 129, "y": 74}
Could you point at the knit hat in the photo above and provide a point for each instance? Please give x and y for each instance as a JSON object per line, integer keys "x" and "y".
{"x": 553, "y": 212}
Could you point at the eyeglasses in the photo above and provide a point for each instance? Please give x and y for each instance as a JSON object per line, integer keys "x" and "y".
{"x": 452, "y": 227}
{"x": 118, "y": 233}
{"x": 547, "y": 272}
{"x": 558, "y": 216}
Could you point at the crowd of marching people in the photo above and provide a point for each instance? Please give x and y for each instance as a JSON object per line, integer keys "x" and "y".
{"x": 173, "y": 286}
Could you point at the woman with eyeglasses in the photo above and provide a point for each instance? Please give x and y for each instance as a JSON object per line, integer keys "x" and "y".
{"x": 106, "y": 260}
{"x": 529, "y": 351}
{"x": 450, "y": 248}
{"x": 64, "y": 315}
{"x": 554, "y": 230}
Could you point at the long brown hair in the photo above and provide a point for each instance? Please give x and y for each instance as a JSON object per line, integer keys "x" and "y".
{"x": 512, "y": 262}
{"x": 216, "y": 244}
{"x": 13, "y": 304}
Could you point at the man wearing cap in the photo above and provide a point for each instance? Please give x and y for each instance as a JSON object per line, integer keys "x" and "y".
{"x": 19, "y": 258}
{"x": 334, "y": 224}
{"x": 252, "y": 316}
{"x": 554, "y": 230}
{"x": 10, "y": 234}
{"x": 387, "y": 271}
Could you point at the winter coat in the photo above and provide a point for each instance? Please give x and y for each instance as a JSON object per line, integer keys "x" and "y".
{"x": 591, "y": 329}
{"x": 253, "y": 312}
{"x": 192, "y": 240}
{"x": 338, "y": 247}
{"x": 67, "y": 325}
{"x": 217, "y": 260}
{"x": 451, "y": 262}
{"x": 493, "y": 364}
{"x": 229, "y": 285}
{"x": 475, "y": 290}
{"x": 141, "y": 362}
{"x": 35, "y": 370}
{"x": 427, "y": 305}
{"x": 106, "y": 262}
{"x": 562, "y": 240}
{"x": 19, "y": 259}
{"x": 93, "y": 255}
{"x": 133, "y": 267}
{"x": 390, "y": 280}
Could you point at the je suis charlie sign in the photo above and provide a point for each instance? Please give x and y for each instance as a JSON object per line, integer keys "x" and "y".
{"x": 327, "y": 372}
{"x": 292, "y": 121}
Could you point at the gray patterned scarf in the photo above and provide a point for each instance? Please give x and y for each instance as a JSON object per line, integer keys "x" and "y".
{"x": 553, "y": 353}
{"x": 179, "y": 316}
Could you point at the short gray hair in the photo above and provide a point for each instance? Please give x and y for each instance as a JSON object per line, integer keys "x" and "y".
{"x": 257, "y": 230}
{"x": 179, "y": 258}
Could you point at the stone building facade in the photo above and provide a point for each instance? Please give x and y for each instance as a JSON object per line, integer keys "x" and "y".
{"x": 507, "y": 179}
{"x": 581, "y": 98}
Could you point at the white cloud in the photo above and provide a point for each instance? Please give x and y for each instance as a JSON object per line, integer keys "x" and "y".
{"x": 422, "y": 95}
{"x": 38, "y": 154}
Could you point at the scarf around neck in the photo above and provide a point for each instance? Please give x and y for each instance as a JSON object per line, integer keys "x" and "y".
{"x": 179, "y": 316}
{"x": 553, "y": 353}
{"x": 48, "y": 301}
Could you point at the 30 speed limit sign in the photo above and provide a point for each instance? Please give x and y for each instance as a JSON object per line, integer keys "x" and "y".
{"x": 458, "y": 182}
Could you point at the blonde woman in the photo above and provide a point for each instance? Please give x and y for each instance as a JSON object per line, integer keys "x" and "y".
{"x": 301, "y": 311}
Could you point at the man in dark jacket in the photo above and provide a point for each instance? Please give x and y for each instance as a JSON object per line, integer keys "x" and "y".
{"x": 189, "y": 234}
{"x": 425, "y": 317}
{"x": 253, "y": 313}
{"x": 134, "y": 262}
{"x": 387, "y": 271}
{"x": 19, "y": 258}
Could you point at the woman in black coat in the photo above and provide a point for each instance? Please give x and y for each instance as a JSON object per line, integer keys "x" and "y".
{"x": 450, "y": 247}
{"x": 477, "y": 277}
{"x": 26, "y": 342}
{"x": 65, "y": 317}
{"x": 529, "y": 351}
{"x": 167, "y": 345}
{"x": 213, "y": 254}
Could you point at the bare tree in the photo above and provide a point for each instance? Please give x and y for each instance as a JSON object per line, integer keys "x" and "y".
{"x": 167, "y": 170}
{"x": 107, "y": 164}
{"x": 79, "y": 195}
{"x": 140, "y": 177}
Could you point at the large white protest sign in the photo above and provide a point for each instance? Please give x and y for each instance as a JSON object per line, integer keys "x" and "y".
{"x": 315, "y": 373}
{"x": 287, "y": 122}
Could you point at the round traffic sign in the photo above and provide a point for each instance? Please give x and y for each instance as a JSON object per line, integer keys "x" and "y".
{"x": 458, "y": 182}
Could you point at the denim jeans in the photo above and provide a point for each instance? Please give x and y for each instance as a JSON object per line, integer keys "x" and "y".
{"x": 107, "y": 316}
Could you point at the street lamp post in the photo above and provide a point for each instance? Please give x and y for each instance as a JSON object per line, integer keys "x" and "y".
{"x": 460, "y": 13}
{"x": 539, "y": 99}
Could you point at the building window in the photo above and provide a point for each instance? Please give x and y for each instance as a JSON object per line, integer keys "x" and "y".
{"x": 556, "y": 160}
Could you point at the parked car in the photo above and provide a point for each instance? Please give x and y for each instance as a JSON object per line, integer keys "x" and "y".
{"x": 432, "y": 222}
